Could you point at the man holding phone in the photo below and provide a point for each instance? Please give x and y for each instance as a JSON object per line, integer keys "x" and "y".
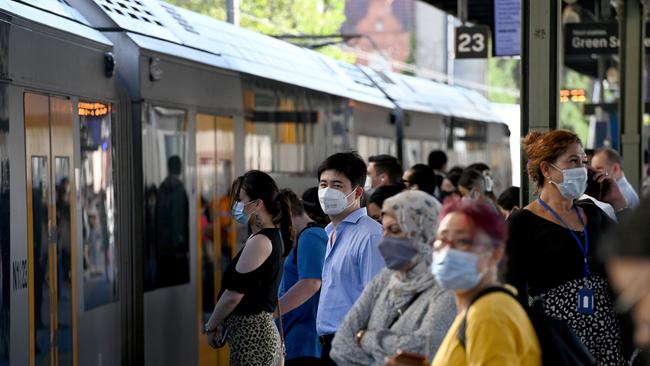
{"x": 609, "y": 161}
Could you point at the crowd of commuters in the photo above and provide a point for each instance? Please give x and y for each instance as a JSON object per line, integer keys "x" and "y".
{"x": 381, "y": 265}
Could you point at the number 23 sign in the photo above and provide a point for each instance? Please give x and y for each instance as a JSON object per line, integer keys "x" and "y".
{"x": 472, "y": 42}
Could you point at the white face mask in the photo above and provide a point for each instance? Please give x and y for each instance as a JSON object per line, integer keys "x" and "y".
{"x": 333, "y": 201}
{"x": 574, "y": 182}
{"x": 367, "y": 187}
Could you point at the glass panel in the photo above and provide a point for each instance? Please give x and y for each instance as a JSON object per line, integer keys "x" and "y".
{"x": 64, "y": 259}
{"x": 166, "y": 234}
{"x": 4, "y": 227}
{"x": 97, "y": 205}
{"x": 40, "y": 232}
{"x": 206, "y": 156}
{"x": 227, "y": 229}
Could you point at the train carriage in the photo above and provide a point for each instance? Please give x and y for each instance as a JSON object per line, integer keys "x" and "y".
{"x": 117, "y": 154}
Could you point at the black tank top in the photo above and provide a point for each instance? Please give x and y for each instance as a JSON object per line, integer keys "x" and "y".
{"x": 260, "y": 286}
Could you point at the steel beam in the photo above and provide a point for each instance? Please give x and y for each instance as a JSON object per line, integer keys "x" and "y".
{"x": 631, "y": 31}
{"x": 540, "y": 34}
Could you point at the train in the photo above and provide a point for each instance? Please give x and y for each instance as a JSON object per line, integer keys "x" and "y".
{"x": 122, "y": 126}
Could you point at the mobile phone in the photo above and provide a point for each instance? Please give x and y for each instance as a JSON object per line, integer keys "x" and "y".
{"x": 410, "y": 358}
{"x": 594, "y": 189}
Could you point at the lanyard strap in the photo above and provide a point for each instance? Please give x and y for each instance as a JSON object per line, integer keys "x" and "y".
{"x": 583, "y": 248}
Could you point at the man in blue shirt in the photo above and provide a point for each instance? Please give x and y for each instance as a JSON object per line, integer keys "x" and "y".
{"x": 300, "y": 284}
{"x": 609, "y": 161}
{"x": 352, "y": 258}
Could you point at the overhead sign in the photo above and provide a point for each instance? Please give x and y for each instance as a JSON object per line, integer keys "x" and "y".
{"x": 594, "y": 38}
{"x": 507, "y": 27}
{"x": 472, "y": 42}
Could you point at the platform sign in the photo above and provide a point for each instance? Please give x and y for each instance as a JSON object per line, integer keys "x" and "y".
{"x": 472, "y": 42}
{"x": 594, "y": 39}
{"x": 507, "y": 27}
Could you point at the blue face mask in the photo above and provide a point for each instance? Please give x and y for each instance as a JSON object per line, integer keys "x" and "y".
{"x": 238, "y": 213}
{"x": 397, "y": 252}
{"x": 574, "y": 182}
{"x": 455, "y": 270}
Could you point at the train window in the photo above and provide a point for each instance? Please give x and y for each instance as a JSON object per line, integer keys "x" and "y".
{"x": 166, "y": 232}
{"x": 40, "y": 187}
{"x": 371, "y": 145}
{"x": 97, "y": 205}
{"x": 4, "y": 228}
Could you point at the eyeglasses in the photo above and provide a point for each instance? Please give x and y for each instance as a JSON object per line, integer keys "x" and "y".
{"x": 459, "y": 244}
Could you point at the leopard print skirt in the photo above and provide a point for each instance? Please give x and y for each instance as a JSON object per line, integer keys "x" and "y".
{"x": 253, "y": 340}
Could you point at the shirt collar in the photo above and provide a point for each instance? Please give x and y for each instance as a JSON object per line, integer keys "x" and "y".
{"x": 352, "y": 218}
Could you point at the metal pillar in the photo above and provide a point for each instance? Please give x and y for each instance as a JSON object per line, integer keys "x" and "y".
{"x": 540, "y": 34}
{"x": 232, "y": 11}
{"x": 631, "y": 54}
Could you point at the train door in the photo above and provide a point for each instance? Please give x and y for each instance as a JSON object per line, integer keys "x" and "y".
{"x": 217, "y": 232}
{"x": 50, "y": 220}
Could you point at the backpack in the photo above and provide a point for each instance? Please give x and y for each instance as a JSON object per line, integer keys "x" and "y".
{"x": 559, "y": 345}
{"x": 295, "y": 248}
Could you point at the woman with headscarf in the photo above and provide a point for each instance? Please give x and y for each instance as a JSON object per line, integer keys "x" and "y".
{"x": 402, "y": 308}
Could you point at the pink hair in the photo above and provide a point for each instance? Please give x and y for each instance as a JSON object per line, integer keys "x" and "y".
{"x": 482, "y": 215}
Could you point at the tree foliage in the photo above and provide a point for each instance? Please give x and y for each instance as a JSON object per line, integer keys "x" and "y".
{"x": 280, "y": 17}
{"x": 571, "y": 114}
{"x": 504, "y": 73}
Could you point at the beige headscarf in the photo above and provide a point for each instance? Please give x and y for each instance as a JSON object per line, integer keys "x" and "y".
{"x": 416, "y": 213}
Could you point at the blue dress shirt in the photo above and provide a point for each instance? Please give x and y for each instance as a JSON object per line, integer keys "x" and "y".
{"x": 350, "y": 263}
{"x": 628, "y": 192}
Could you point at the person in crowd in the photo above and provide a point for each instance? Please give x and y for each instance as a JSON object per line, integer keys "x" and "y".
{"x": 376, "y": 200}
{"x": 243, "y": 314}
{"x": 472, "y": 186}
{"x": 488, "y": 178}
{"x": 382, "y": 170}
{"x": 627, "y": 253}
{"x": 553, "y": 240}
{"x": 311, "y": 205}
{"x": 402, "y": 307}
{"x": 497, "y": 331}
{"x": 626, "y": 250}
{"x": 609, "y": 161}
{"x": 438, "y": 161}
{"x": 300, "y": 285}
{"x": 508, "y": 201}
{"x": 449, "y": 186}
{"x": 352, "y": 258}
{"x": 420, "y": 177}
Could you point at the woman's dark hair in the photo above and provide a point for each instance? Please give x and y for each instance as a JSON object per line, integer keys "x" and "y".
{"x": 349, "y": 164}
{"x": 311, "y": 204}
{"x": 382, "y": 193}
{"x": 472, "y": 179}
{"x": 424, "y": 177}
{"x": 509, "y": 198}
{"x": 260, "y": 186}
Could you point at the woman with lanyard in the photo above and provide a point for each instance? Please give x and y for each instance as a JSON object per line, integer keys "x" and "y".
{"x": 553, "y": 240}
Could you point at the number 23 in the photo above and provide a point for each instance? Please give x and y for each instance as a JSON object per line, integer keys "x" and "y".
{"x": 471, "y": 42}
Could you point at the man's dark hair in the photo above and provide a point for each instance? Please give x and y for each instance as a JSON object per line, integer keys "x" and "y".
{"x": 480, "y": 167}
{"x": 174, "y": 165}
{"x": 612, "y": 155}
{"x": 454, "y": 174}
{"x": 437, "y": 159}
{"x": 389, "y": 165}
{"x": 631, "y": 237}
{"x": 509, "y": 198}
{"x": 349, "y": 164}
{"x": 424, "y": 177}
{"x": 382, "y": 193}
{"x": 311, "y": 205}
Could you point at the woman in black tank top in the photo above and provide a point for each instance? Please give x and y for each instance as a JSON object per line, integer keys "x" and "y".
{"x": 242, "y": 316}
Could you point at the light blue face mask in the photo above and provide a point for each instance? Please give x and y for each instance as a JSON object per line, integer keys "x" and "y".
{"x": 238, "y": 212}
{"x": 574, "y": 182}
{"x": 455, "y": 270}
